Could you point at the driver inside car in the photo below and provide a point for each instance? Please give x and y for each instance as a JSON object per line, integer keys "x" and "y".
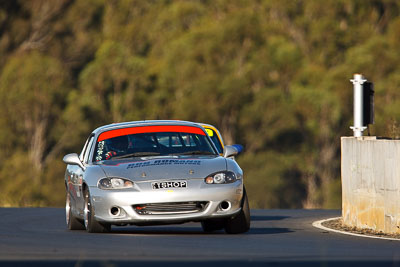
{"x": 117, "y": 146}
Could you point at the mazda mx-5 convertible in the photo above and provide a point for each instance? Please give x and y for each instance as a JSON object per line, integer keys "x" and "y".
{"x": 151, "y": 173}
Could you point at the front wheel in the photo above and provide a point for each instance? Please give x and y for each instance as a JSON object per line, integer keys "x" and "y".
{"x": 73, "y": 223}
{"x": 93, "y": 226}
{"x": 241, "y": 222}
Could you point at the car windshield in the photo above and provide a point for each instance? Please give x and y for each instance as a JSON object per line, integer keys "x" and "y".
{"x": 152, "y": 141}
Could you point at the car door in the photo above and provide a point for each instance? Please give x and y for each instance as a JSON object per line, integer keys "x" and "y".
{"x": 76, "y": 174}
{"x": 81, "y": 173}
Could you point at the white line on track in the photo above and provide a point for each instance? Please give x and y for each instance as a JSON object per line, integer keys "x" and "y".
{"x": 318, "y": 224}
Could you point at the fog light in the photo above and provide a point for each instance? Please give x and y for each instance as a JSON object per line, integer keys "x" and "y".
{"x": 225, "y": 205}
{"x": 115, "y": 211}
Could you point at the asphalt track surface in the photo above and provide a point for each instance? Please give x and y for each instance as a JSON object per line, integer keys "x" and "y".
{"x": 38, "y": 237}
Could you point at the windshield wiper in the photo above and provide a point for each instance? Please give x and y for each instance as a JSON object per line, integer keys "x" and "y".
{"x": 195, "y": 152}
{"x": 137, "y": 154}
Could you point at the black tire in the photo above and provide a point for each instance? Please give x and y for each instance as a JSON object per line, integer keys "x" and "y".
{"x": 73, "y": 223}
{"x": 241, "y": 222}
{"x": 212, "y": 225}
{"x": 91, "y": 225}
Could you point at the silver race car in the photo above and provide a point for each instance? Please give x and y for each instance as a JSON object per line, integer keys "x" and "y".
{"x": 154, "y": 172}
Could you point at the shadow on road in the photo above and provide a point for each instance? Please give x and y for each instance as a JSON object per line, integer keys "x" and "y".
{"x": 268, "y": 231}
{"x": 201, "y": 263}
{"x": 268, "y": 218}
{"x": 191, "y": 231}
{"x": 143, "y": 230}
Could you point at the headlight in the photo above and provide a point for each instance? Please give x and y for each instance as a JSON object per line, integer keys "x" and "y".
{"x": 114, "y": 183}
{"x": 221, "y": 178}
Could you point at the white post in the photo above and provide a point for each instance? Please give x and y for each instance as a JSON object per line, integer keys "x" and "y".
{"x": 358, "y": 81}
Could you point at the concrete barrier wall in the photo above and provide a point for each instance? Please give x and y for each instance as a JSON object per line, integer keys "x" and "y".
{"x": 371, "y": 183}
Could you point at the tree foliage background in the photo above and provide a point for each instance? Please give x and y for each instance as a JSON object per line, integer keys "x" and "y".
{"x": 271, "y": 75}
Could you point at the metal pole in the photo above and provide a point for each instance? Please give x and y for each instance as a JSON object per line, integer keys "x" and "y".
{"x": 358, "y": 81}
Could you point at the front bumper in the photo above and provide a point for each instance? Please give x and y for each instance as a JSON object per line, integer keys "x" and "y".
{"x": 104, "y": 201}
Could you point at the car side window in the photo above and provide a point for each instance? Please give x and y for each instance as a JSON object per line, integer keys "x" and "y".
{"x": 88, "y": 149}
{"x": 81, "y": 155}
{"x": 214, "y": 137}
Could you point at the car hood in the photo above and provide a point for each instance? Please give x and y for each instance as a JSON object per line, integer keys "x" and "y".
{"x": 161, "y": 167}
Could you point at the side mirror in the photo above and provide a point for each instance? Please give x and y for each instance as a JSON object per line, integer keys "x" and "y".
{"x": 73, "y": 159}
{"x": 230, "y": 151}
{"x": 239, "y": 148}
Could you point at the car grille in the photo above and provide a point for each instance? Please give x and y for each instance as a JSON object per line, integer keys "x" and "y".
{"x": 170, "y": 208}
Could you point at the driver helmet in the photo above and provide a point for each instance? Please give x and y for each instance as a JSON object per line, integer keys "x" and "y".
{"x": 119, "y": 143}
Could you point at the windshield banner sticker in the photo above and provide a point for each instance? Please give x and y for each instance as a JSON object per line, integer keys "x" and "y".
{"x": 163, "y": 162}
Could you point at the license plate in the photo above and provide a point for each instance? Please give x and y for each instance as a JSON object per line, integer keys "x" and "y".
{"x": 169, "y": 184}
